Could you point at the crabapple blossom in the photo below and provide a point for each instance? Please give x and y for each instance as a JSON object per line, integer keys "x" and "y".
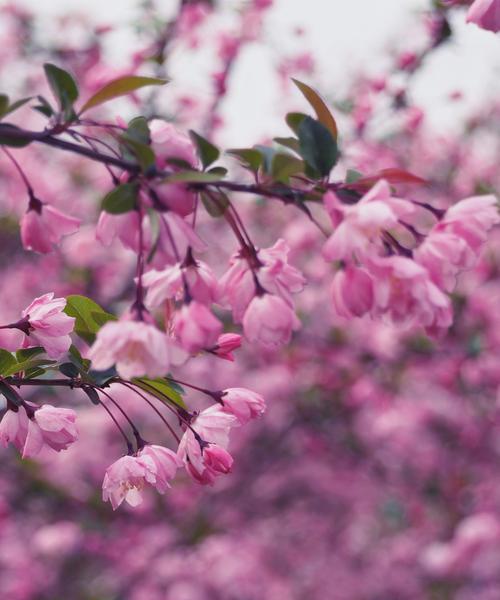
{"x": 43, "y": 227}
{"x": 48, "y": 325}
{"x": 45, "y": 426}
{"x": 269, "y": 320}
{"x": 135, "y": 347}
{"x": 14, "y": 428}
{"x": 169, "y": 283}
{"x": 125, "y": 479}
{"x": 196, "y": 327}
{"x": 361, "y": 225}
{"x": 166, "y": 463}
{"x": 243, "y": 404}
{"x": 352, "y": 292}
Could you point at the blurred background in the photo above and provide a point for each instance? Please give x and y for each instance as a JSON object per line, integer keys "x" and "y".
{"x": 374, "y": 474}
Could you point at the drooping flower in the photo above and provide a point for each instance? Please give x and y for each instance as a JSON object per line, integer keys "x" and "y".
{"x": 269, "y": 320}
{"x": 45, "y": 426}
{"x": 352, "y": 292}
{"x": 166, "y": 463}
{"x": 243, "y": 404}
{"x": 203, "y": 447}
{"x": 57, "y": 426}
{"x": 361, "y": 224}
{"x": 14, "y": 428}
{"x": 275, "y": 274}
{"x": 485, "y": 14}
{"x": 135, "y": 347}
{"x": 126, "y": 478}
{"x": 43, "y": 226}
{"x": 196, "y": 327}
{"x": 49, "y": 326}
{"x": 169, "y": 283}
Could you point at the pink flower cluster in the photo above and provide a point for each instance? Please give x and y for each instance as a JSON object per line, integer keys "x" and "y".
{"x": 202, "y": 451}
{"x": 30, "y": 429}
{"x": 380, "y": 276}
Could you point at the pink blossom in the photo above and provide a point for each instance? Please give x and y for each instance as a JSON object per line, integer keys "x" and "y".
{"x": 471, "y": 219}
{"x": 136, "y": 348}
{"x": 175, "y": 237}
{"x": 49, "y": 326}
{"x": 166, "y": 463}
{"x": 43, "y": 227}
{"x": 57, "y": 426}
{"x": 126, "y": 478}
{"x": 275, "y": 274}
{"x": 196, "y": 327}
{"x": 48, "y": 425}
{"x": 485, "y": 14}
{"x": 125, "y": 227}
{"x": 212, "y": 426}
{"x": 14, "y": 428}
{"x": 269, "y": 320}
{"x": 169, "y": 283}
{"x": 444, "y": 255}
{"x": 226, "y": 343}
{"x": 217, "y": 459}
{"x": 352, "y": 292}
{"x": 405, "y": 292}
{"x": 170, "y": 144}
{"x": 243, "y": 404}
{"x": 363, "y": 223}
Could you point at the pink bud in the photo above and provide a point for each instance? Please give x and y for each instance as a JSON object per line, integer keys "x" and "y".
{"x": 243, "y": 404}
{"x": 269, "y": 320}
{"x": 225, "y": 345}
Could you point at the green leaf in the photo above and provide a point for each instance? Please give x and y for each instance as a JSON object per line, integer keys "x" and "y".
{"x": 317, "y": 146}
{"x": 7, "y": 108}
{"x": 27, "y": 353}
{"x": 215, "y": 203}
{"x": 320, "y": 108}
{"x": 69, "y": 369}
{"x": 101, "y": 318}
{"x": 293, "y": 120}
{"x": 207, "y": 152}
{"x": 284, "y": 166}
{"x": 82, "y": 364}
{"x": 12, "y": 136}
{"x": 122, "y": 199}
{"x": 84, "y": 311}
{"x": 220, "y": 171}
{"x": 352, "y": 176}
{"x": 141, "y": 153}
{"x": 250, "y": 158}
{"x": 6, "y": 361}
{"x": 10, "y": 394}
{"x": 26, "y": 365}
{"x": 193, "y": 177}
{"x": 161, "y": 389}
{"x": 138, "y": 130}
{"x": 63, "y": 87}
{"x": 92, "y": 395}
{"x": 267, "y": 156}
{"x": 289, "y": 142}
{"x": 120, "y": 87}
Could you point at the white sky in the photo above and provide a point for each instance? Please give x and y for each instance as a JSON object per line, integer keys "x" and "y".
{"x": 346, "y": 35}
